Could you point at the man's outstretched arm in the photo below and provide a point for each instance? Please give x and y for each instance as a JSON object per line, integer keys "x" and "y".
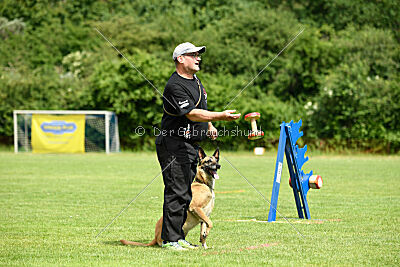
{"x": 201, "y": 115}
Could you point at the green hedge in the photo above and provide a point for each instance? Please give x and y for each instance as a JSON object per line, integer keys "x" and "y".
{"x": 340, "y": 76}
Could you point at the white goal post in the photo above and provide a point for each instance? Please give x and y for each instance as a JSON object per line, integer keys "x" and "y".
{"x": 100, "y": 129}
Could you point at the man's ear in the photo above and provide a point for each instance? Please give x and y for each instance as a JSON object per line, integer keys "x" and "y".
{"x": 216, "y": 154}
{"x": 180, "y": 59}
{"x": 202, "y": 154}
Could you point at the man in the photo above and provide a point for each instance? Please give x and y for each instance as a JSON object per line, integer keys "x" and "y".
{"x": 185, "y": 122}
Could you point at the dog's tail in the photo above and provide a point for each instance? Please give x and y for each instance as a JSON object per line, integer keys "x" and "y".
{"x": 133, "y": 243}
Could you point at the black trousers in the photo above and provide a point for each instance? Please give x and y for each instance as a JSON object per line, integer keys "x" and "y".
{"x": 178, "y": 176}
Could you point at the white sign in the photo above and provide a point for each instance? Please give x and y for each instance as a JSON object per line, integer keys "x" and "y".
{"x": 279, "y": 174}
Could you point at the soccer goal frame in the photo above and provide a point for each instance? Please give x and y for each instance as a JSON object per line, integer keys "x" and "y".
{"x": 22, "y": 127}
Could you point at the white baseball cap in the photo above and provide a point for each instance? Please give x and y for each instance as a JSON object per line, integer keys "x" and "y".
{"x": 185, "y": 48}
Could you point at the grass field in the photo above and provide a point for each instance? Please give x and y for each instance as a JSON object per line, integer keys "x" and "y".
{"x": 53, "y": 206}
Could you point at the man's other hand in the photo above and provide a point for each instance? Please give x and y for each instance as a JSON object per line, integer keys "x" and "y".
{"x": 212, "y": 131}
{"x": 229, "y": 115}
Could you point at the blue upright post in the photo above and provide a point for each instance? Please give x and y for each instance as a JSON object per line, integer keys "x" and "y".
{"x": 278, "y": 174}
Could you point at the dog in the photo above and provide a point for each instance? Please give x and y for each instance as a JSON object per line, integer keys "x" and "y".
{"x": 202, "y": 204}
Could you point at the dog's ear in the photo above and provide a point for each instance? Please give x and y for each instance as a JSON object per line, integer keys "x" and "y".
{"x": 202, "y": 154}
{"x": 216, "y": 154}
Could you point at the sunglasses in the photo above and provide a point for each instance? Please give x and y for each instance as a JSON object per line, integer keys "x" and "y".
{"x": 193, "y": 55}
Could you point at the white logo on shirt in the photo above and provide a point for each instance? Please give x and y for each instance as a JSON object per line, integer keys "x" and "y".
{"x": 183, "y": 103}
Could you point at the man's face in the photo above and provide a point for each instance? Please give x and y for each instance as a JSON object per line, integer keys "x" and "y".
{"x": 191, "y": 61}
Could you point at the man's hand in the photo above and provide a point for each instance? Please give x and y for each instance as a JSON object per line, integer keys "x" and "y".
{"x": 212, "y": 131}
{"x": 228, "y": 115}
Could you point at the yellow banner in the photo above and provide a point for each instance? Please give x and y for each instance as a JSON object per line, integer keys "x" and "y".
{"x": 58, "y": 133}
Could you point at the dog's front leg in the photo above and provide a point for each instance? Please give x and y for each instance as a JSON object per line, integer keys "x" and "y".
{"x": 197, "y": 211}
{"x": 203, "y": 234}
{"x": 205, "y": 225}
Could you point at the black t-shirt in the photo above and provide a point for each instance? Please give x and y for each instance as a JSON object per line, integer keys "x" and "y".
{"x": 182, "y": 95}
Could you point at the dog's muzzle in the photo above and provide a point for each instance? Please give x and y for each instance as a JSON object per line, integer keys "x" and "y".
{"x": 213, "y": 170}
{"x": 215, "y": 167}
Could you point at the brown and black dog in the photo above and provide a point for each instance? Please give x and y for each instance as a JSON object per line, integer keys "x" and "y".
{"x": 202, "y": 203}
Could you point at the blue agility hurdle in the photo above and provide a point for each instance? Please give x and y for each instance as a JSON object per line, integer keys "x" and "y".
{"x": 299, "y": 181}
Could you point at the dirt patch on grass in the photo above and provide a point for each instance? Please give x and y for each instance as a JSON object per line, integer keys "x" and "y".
{"x": 312, "y": 221}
